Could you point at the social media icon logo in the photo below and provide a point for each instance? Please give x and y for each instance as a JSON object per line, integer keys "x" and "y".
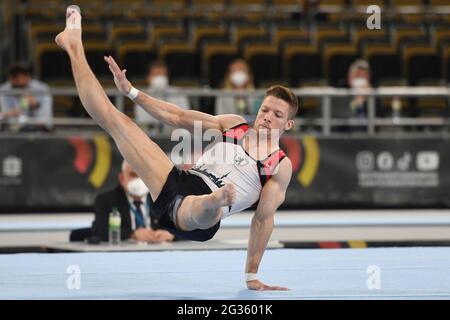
{"x": 427, "y": 160}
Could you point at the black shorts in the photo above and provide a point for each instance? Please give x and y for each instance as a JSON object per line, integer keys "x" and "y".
{"x": 180, "y": 184}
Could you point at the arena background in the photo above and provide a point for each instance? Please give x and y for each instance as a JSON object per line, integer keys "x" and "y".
{"x": 377, "y": 180}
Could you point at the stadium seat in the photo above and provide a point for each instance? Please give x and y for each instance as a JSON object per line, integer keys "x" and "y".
{"x": 329, "y": 35}
{"x": 303, "y": 62}
{"x": 136, "y": 57}
{"x": 169, "y": 3}
{"x": 46, "y": 32}
{"x": 407, "y": 3}
{"x": 214, "y": 3}
{"x": 123, "y": 33}
{"x": 310, "y": 107}
{"x": 438, "y": 2}
{"x": 265, "y": 63}
{"x": 364, "y": 37}
{"x": 199, "y": 34}
{"x": 385, "y": 62}
{"x": 431, "y": 107}
{"x": 337, "y": 59}
{"x": 244, "y": 3}
{"x": 366, "y": 3}
{"x": 408, "y": 35}
{"x": 159, "y": 32}
{"x": 183, "y": 61}
{"x": 241, "y": 34}
{"x": 441, "y": 35}
{"x": 284, "y": 35}
{"x": 285, "y": 2}
{"x": 421, "y": 63}
{"x": 446, "y": 62}
{"x": 95, "y": 53}
{"x": 216, "y": 58}
{"x": 51, "y": 62}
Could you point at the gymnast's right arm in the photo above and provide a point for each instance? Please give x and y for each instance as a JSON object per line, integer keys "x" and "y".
{"x": 169, "y": 113}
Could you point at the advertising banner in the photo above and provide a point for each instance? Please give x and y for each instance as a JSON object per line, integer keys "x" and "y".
{"x": 66, "y": 173}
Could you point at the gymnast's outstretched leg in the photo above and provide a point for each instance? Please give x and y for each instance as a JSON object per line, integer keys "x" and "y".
{"x": 145, "y": 156}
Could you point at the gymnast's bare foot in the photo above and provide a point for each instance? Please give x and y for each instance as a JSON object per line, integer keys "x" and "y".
{"x": 223, "y": 197}
{"x": 70, "y": 38}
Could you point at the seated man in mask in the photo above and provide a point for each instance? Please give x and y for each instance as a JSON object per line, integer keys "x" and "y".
{"x": 134, "y": 203}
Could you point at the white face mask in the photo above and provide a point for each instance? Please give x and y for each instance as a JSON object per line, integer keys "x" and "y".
{"x": 159, "y": 82}
{"x": 137, "y": 188}
{"x": 239, "y": 78}
{"x": 359, "y": 83}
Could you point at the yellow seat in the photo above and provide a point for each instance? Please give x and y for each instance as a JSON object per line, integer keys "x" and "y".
{"x": 167, "y": 48}
{"x": 159, "y": 32}
{"x": 128, "y": 47}
{"x": 247, "y": 2}
{"x": 406, "y": 3}
{"x": 365, "y": 34}
{"x": 439, "y": 2}
{"x": 377, "y": 49}
{"x": 219, "y": 54}
{"x": 439, "y": 35}
{"x": 324, "y": 33}
{"x": 446, "y": 61}
{"x": 366, "y": 3}
{"x": 414, "y": 50}
{"x": 119, "y": 31}
{"x": 426, "y": 67}
{"x": 200, "y": 32}
{"x": 401, "y": 34}
{"x": 283, "y": 34}
{"x": 239, "y": 33}
{"x": 171, "y": 3}
{"x": 216, "y": 3}
{"x": 338, "y": 70}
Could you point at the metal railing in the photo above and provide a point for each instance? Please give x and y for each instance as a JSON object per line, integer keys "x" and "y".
{"x": 325, "y": 122}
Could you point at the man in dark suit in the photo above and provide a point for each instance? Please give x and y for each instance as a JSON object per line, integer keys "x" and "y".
{"x": 131, "y": 197}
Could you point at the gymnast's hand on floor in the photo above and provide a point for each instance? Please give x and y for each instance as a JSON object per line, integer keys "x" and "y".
{"x": 144, "y": 235}
{"x": 163, "y": 235}
{"x": 258, "y": 285}
{"x": 120, "y": 78}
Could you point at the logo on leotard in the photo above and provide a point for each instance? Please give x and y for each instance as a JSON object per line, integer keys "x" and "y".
{"x": 218, "y": 181}
{"x": 240, "y": 160}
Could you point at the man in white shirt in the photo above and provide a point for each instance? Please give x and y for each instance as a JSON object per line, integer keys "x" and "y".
{"x": 26, "y": 111}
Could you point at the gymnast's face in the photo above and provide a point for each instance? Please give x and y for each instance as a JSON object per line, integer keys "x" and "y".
{"x": 273, "y": 116}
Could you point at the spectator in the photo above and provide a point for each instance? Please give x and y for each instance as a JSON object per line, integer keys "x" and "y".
{"x": 238, "y": 78}
{"x": 18, "y": 110}
{"x": 158, "y": 79}
{"x": 134, "y": 203}
{"x": 358, "y": 77}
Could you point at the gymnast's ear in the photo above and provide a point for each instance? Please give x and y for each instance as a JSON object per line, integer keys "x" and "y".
{"x": 289, "y": 124}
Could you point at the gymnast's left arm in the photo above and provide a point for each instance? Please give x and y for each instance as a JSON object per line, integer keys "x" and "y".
{"x": 272, "y": 196}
